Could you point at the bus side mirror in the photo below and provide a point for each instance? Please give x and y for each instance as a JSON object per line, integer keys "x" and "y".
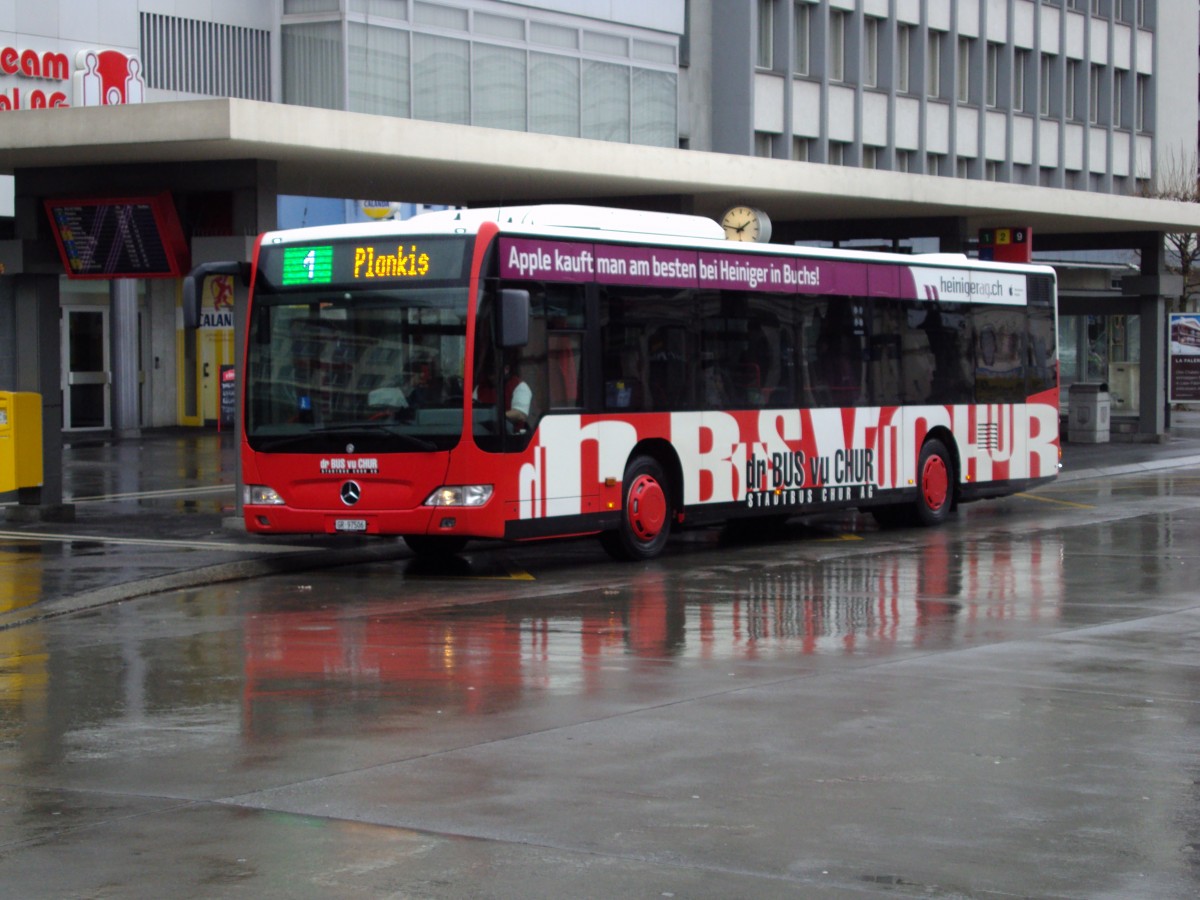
{"x": 193, "y": 286}
{"x": 514, "y": 317}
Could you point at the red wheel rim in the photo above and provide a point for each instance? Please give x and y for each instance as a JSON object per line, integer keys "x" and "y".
{"x": 647, "y": 509}
{"x": 935, "y": 482}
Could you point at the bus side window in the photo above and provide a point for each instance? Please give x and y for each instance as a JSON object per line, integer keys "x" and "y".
{"x": 837, "y": 374}
{"x": 564, "y": 351}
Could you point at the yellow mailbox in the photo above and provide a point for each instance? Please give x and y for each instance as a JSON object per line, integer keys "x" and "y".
{"x": 20, "y": 440}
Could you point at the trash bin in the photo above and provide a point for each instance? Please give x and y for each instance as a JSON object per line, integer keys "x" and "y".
{"x": 20, "y": 440}
{"x": 1088, "y": 408}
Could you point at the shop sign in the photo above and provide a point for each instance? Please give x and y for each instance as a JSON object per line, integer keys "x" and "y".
{"x": 1184, "y": 380}
{"x": 45, "y": 79}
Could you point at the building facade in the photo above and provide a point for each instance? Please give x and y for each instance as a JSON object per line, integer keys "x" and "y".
{"x": 1077, "y": 94}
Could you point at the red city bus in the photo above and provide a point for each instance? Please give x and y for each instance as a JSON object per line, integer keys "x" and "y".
{"x": 563, "y": 370}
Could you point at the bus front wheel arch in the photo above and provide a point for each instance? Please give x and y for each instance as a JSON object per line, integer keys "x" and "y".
{"x": 646, "y": 512}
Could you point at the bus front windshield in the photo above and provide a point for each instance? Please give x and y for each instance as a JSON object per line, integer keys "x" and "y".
{"x": 381, "y": 370}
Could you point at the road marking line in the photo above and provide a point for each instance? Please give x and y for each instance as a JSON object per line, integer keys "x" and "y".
{"x": 1057, "y": 502}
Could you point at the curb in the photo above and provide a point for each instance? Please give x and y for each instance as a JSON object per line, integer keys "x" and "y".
{"x": 220, "y": 572}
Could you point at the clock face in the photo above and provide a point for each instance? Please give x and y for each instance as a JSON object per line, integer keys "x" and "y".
{"x": 744, "y": 223}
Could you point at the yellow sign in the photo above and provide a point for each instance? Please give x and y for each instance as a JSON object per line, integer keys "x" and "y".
{"x": 377, "y": 209}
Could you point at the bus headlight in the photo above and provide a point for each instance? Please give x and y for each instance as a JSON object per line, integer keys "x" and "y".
{"x": 460, "y": 495}
{"x": 261, "y": 495}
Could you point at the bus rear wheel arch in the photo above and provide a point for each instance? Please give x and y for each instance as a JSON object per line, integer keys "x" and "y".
{"x": 647, "y": 508}
{"x": 935, "y": 483}
{"x": 936, "y": 478}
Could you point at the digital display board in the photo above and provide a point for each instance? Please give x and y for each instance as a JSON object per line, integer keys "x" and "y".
{"x": 119, "y": 237}
{"x": 366, "y": 263}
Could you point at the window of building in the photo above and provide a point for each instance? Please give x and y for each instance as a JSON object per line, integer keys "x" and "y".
{"x": 440, "y": 16}
{"x": 313, "y": 71}
{"x": 1142, "y": 102}
{"x": 651, "y": 51}
{"x": 606, "y": 114}
{"x": 903, "y": 56}
{"x": 992, "y": 75}
{"x": 1120, "y": 101}
{"x": 1045, "y": 84}
{"x": 870, "y": 51}
{"x": 499, "y": 87}
{"x": 1095, "y": 99}
{"x": 764, "y": 144}
{"x": 764, "y": 57}
{"x": 554, "y": 35}
{"x": 1020, "y": 69}
{"x": 553, "y": 94}
{"x": 964, "y": 69}
{"x": 837, "y": 153}
{"x": 500, "y": 26}
{"x": 1070, "y": 111}
{"x": 441, "y": 79}
{"x": 655, "y": 107}
{"x": 507, "y": 72}
{"x": 310, "y": 6}
{"x": 605, "y": 44}
{"x": 801, "y": 38}
{"x": 801, "y": 149}
{"x": 933, "y": 64}
{"x": 378, "y": 70}
{"x": 837, "y": 45}
{"x": 388, "y": 9}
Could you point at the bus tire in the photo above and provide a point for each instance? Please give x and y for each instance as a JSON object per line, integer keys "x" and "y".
{"x": 434, "y": 546}
{"x": 645, "y": 513}
{"x": 935, "y": 483}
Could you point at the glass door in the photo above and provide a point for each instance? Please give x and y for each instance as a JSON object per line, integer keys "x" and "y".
{"x": 85, "y": 368}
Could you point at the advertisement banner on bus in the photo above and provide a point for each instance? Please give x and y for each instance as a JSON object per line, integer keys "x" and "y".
{"x": 530, "y": 259}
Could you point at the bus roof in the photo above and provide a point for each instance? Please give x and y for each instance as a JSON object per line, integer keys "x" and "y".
{"x": 601, "y": 223}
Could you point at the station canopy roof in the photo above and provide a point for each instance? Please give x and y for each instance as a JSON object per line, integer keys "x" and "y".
{"x": 319, "y": 152}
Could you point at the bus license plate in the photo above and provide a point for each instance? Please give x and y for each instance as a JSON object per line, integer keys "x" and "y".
{"x": 350, "y": 524}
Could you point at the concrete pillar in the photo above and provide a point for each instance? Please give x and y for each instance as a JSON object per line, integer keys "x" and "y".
{"x": 123, "y": 327}
{"x": 39, "y": 369}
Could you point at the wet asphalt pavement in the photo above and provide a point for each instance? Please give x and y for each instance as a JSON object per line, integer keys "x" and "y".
{"x": 1009, "y": 706}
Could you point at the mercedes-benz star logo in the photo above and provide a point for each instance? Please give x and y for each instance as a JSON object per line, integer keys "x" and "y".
{"x": 351, "y": 492}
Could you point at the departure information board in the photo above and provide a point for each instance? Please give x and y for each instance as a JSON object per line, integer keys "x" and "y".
{"x": 128, "y": 237}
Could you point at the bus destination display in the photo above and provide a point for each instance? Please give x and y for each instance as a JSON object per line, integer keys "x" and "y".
{"x": 363, "y": 262}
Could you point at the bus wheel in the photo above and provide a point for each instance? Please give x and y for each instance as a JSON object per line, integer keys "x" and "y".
{"x": 646, "y": 515}
{"x": 434, "y": 546}
{"x": 935, "y": 484}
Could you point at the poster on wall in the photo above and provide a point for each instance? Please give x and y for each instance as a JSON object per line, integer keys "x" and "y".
{"x": 1184, "y": 381}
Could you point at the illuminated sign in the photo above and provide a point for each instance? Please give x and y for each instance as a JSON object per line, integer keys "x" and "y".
{"x": 127, "y": 237}
{"x": 361, "y": 262}
{"x": 372, "y": 263}
{"x": 99, "y": 78}
{"x": 307, "y": 265}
